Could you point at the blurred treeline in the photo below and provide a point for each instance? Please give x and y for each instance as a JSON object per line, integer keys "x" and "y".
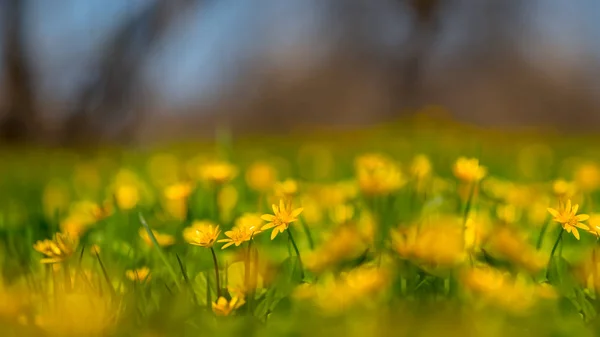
{"x": 164, "y": 68}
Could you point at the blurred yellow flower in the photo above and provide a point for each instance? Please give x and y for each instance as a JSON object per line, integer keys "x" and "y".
{"x": 163, "y": 240}
{"x": 378, "y": 175}
{"x": 261, "y": 176}
{"x": 282, "y": 216}
{"x": 505, "y": 243}
{"x": 223, "y": 307}
{"x": 178, "y": 191}
{"x": 437, "y": 242}
{"x": 569, "y": 219}
{"x": 249, "y": 220}
{"x": 500, "y": 289}
{"x": 420, "y": 167}
{"x": 78, "y": 313}
{"x": 587, "y": 177}
{"x": 508, "y": 213}
{"x": 59, "y": 249}
{"x": 343, "y": 244}
{"x": 594, "y": 224}
{"x": 341, "y": 213}
{"x": 564, "y": 189}
{"x": 138, "y": 275}
{"x": 127, "y": 196}
{"x": 202, "y": 233}
{"x": 218, "y": 172}
{"x": 226, "y": 200}
{"x": 286, "y": 189}
{"x": 469, "y": 170}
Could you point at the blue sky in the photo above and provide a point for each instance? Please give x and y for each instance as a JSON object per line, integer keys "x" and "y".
{"x": 214, "y": 45}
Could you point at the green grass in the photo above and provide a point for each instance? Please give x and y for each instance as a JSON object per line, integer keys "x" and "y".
{"x": 419, "y": 257}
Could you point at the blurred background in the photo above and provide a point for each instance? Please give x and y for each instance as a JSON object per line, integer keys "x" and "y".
{"x": 84, "y": 71}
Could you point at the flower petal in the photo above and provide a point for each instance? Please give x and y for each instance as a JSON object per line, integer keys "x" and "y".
{"x": 575, "y": 208}
{"x": 554, "y": 212}
{"x": 582, "y": 217}
{"x": 268, "y": 217}
{"x": 296, "y": 212}
{"x": 267, "y": 226}
{"x": 576, "y": 233}
{"x": 274, "y": 233}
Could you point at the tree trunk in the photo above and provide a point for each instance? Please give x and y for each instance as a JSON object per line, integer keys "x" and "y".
{"x": 19, "y": 122}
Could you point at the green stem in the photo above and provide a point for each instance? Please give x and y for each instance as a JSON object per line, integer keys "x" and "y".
{"x": 160, "y": 252}
{"x": 311, "y": 243}
{"x": 214, "y": 256}
{"x": 106, "y": 277}
{"x": 558, "y": 239}
{"x": 247, "y": 275}
{"x": 247, "y": 267}
{"x": 542, "y": 233}
{"x": 469, "y": 202}
{"x": 297, "y": 252}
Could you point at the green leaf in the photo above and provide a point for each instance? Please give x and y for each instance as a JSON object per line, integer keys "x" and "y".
{"x": 201, "y": 284}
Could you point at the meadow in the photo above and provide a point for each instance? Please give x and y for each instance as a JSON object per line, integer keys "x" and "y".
{"x": 419, "y": 228}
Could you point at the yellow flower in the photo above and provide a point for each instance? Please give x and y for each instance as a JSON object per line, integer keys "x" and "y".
{"x": 223, "y": 307}
{"x": 420, "y": 167}
{"x": 80, "y": 312}
{"x": 286, "y": 189}
{"x": 138, "y": 275}
{"x": 245, "y": 228}
{"x": 508, "y": 213}
{"x": 563, "y": 188}
{"x": 587, "y": 177}
{"x": 202, "y": 233}
{"x": 249, "y": 220}
{"x": 342, "y": 213}
{"x": 239, "y": 235}
{"x": 261, "y": 176}
{"x": 179, "y": 191}
{"x": 344, "y": 244}
{"x": 468, "y": 170}
{"x": 127, "y": 196}
{"x": 58, "y": 249}
{"x": 162, "y": 239}
{"x": 594, "y": 224}
{"x": 281, "y": 218}
{"x": 378, "y": 175}
{"x": 218, "y": 172}
{"x": 569, "y": 219}
{"x": 509, "y": 245}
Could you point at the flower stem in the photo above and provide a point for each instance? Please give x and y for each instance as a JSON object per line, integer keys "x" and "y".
{"x": 297, "y": 252}
{"x": 542, "y": 233}
{"x": 558, "y": 239}
{"x": 468, "y": 205}
{"x": 214, "y": 256}
{"x": 311, "y": 243}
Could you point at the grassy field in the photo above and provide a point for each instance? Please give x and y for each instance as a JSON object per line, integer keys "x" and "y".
{"x": 423, "y": 229}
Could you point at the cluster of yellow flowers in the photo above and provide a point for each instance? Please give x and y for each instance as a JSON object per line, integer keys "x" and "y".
{"x": 362, "y": 238}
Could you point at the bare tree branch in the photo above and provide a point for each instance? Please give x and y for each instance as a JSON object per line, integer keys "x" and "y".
{"x": 105, "y": 105}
